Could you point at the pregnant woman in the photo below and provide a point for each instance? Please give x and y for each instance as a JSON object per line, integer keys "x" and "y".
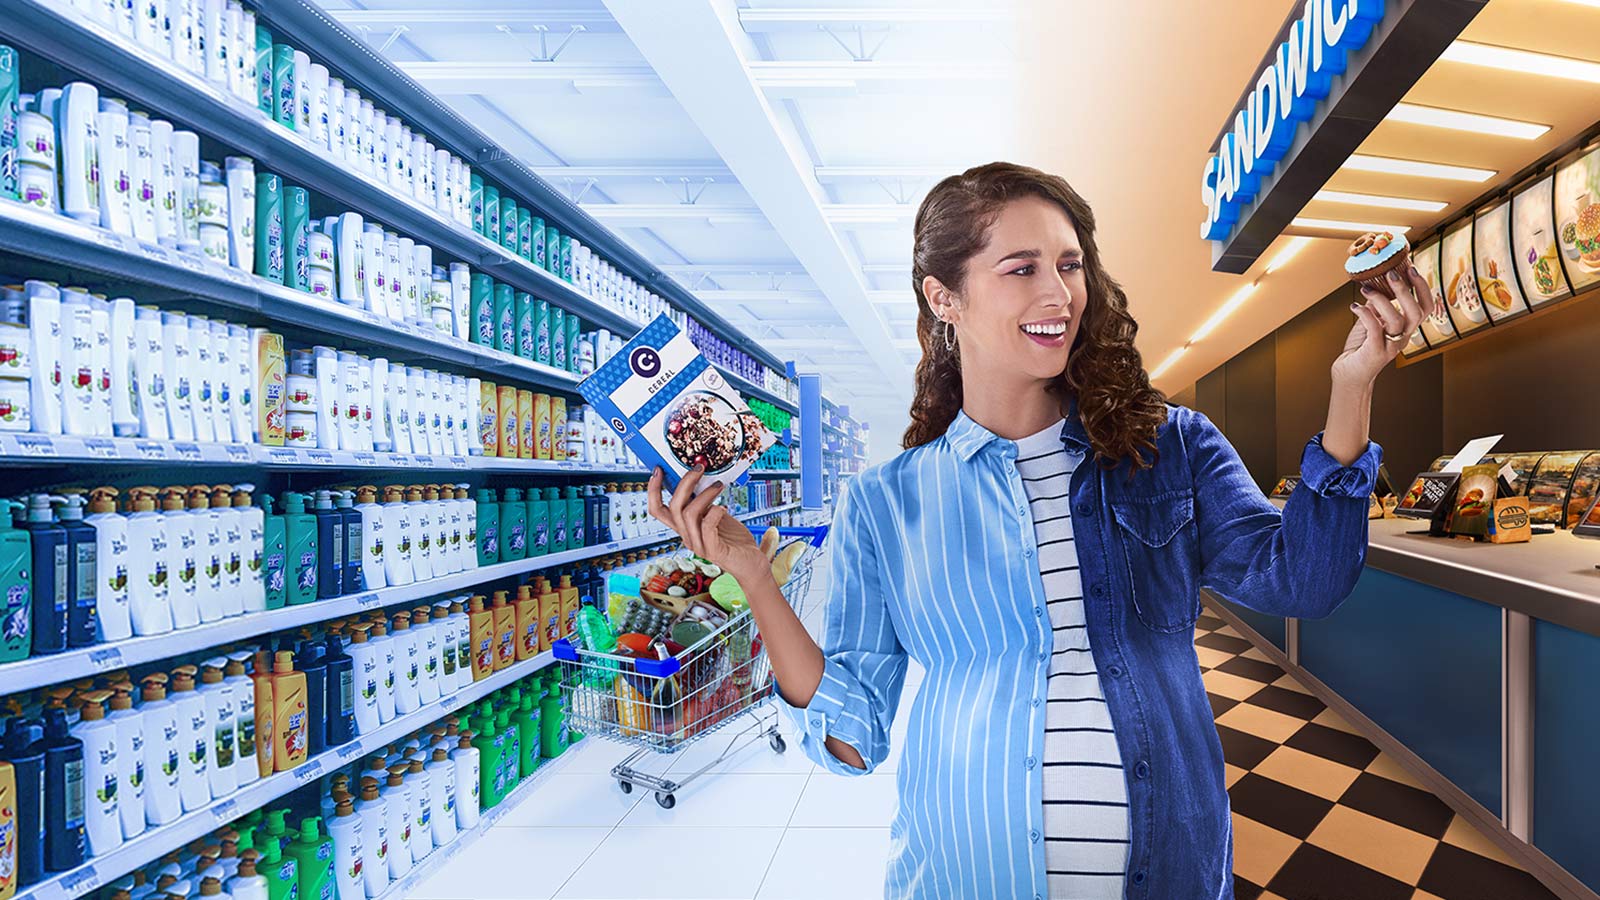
{"x": 1039, "y": 549}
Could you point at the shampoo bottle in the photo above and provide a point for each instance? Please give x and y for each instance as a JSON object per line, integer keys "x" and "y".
{"x": 313, "y": 856}
{"x": 465, "y": 760}
{"x": 408, "y": 665}
{"x": 397, "y": 813}
{"x": 488, "y": 516}
{"x": 374, "y": 837}
{"x": 367, "y": 678}
{"x": 463, "y": 636}
{"x": 426, "y": 634}
{"x": 330, "y": 547}
{"x": 25, "y": 754}
{"x": 248, "y": 884}
{"x": 183, "y": 558}
{"x": 442, "y": 773}
{"x": 397, "y": 568}
{"x": 252, "y": 549}
{"x": 16, "y": 587}
{"x": 65, "y": 842}
{"x": 421, "y": 785}
{"x": 481, "y": 622}
{"x": 538, "y": 523}
{"x": 194, "y": 740}
{"x": 52, "y": 571}
{"x": 291, "y": 720}
{"x": 528, "y": 624}
{"x": 576, "y": 535}
{"x": 208, "y": 553}
{"x": 505, "y": 632}
{"x": 82, "y": 572}
{"x": 387, "y": 672}
{"x": 342, "y": 701}
{"x": 421, "y": 532}
{"x": 371, "y": 533}
{"x": 130, "y": 760}
{"x": 102, "y": 820}
{"x": 163, "y": 751}
{"x": 344, "y": 502}
{"x": 266, "y": 713}
{"x": 112, "y": 596}
{"x": 300, "y": 540}
{"x": 513, "y": 525}
{"x": 281, "y": 872}
{"x": 310, "y": 663}
{"x": 349, "y": 850}
{"x": 222, "y": 713}
{"x": 230, "y": 524}
{"x": 247, "y": 754}
{"x": 274, "y": 557}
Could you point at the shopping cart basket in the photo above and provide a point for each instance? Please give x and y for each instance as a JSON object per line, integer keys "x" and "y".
{"x": 666, "y": 705}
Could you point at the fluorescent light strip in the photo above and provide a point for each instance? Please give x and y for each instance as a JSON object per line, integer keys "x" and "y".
{"x": 1380, "y": 201}
{"x": 1391, "y": 166}
{"x": 1526, "y": 61}
{"x": 1337, "y": 225}
{"x": 1167, "y": 363}
{"x": 1224, "y": 311}
{"x": 1456, "y": 120}
{"x": 1290, "y": 251}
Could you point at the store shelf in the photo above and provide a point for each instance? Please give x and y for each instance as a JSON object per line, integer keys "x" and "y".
{"x": 751, "y": 389}
{"x": 774, "y": 473}
{"x": 158, "y": 840}
{"x": 399, "y": 890}
{"x": 769, "y": 511}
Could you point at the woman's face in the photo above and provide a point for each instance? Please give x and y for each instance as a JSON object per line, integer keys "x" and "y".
{"x": 1024, "y": 295}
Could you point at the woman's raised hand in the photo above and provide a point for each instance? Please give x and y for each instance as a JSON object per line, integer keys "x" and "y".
{"x": 709, "y": 531}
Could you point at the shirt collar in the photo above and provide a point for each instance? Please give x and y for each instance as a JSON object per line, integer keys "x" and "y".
{"x": 967, "y": 437}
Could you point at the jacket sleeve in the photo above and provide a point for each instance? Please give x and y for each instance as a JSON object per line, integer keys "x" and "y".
{"x": 1302, "y": 561}
{"x": 865, "y": 665}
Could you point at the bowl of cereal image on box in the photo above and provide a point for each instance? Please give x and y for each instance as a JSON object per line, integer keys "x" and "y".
{"x": 703, "y": 429}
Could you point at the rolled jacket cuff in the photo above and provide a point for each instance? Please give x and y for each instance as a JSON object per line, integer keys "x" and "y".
{"x": 1325, "y": 476}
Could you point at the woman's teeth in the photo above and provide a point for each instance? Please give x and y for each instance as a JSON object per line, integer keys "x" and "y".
{"x": 1046, "y": 328}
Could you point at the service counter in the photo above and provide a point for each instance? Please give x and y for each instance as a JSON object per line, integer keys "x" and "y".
{"x": 1482, "y": 662}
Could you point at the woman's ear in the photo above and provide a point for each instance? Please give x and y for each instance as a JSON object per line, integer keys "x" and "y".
{"x": 940, "y": 300}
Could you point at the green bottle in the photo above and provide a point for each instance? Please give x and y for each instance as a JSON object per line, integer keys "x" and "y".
{"x": 525, "y": 232}
{"x": 536, "y": 238}
{"x": 266, "y": 96}
{"x": 313, "y": 856}
{"x": 278, "y": 829}
{"x": 558, "y": 337}
{"x": 574, "y": 332}
{"x": 513, "y": 525}
{"x": 508, "y": 223}
{"x": 296, "y": 238}
{"x": 275, "y": 568}
{"x": 541, "y": 331}
{"x": 482, "y": 311}
{"x": 509, "y": 765}
{"x": 538, "y": 523}
{"x": 505, "y": 318}
{"x": 525, "y": 325}
{"x": 575, "y": 531}
{"x": 300, "y": 549}
{"x": 552, "y": 727}
{"x": 283, "y": 75}
{"x": 552, "y": 249}
{"x": 558, "y": 520}
{"x": 282, "y": 873}
{"x": 488, "y": 527}
{"x": 565, "y": 271}
{"x": 528, "y": 730}
{"x": 477, "y": 203}
{"x": 269, "y": 227}
{"x": 491, "y": 213}
{"x": 16, "y": 587}
{"x": 490, "y": 749}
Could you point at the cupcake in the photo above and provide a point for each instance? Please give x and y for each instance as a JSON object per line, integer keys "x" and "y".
{"x": 1375, "y": 255}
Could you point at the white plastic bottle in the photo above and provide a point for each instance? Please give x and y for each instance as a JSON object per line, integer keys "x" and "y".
{"x": 241, "y": 179}
{"x": 465, "y": 758}
{"x": 422, "y": 805}
{"x": 177, "y": 356}
{"x": 349, "y": 852}
{"x": 130, "y": 760}
{"x": 374, "y": 837}
{"x": 463, "y": 632}
{"x": 116, "y": 182}
{"x": 439, "y": 616}
{"x": 469, "y": 526}
{"x": 368, "y": 677}
{"x": 374, "y": 271}
{"x": 226, "y": 391}
{"x": 430, "y": 651}
{"x": 237, "y": 679}
{"x": 382, "y": 423}
{"x": 451, "y": 533}
{"x": 230, "y": 525}
{"x": 325, "y": 362}
{"x": 442, "y": 773}
{"x": 372, "y": 537}
{"x": 216, "y": 41}
{"x": 252, "y": 550}
{"x": 248, "y": 884}
{"x": 443, "y": 562}
{"x": 102, "y": 820}
{"x": 77, "y": 362}
{"x": 387, "y": 673}
{"x": 77, "y": 123}
{"x": 112, "y": 598}
{"x": 365, "y": 427}
{"x": 351, "y": 401}
{"x": 208, "y": 553}
{"x": 397, "y": 810}
{"x": 421, "y": 398}
{"x": 44, "y": 345}
{"x": 397, "y": 566}
{"x": 222, "y": 714}
{"x": 408, "y": 665}
{"x": 163, "y": 752}
{"x": 142, "y": 173}
{"x": 243, "y": 407}
{"x": 100, "y": 363}
{"x": 399, "y": 409}
{"x": 202, "y": 375}
{"x": 149, "y": 600}
{"x": 186, "y": 165}
{"x": 422, "y": 533}
{"x": 184, "y": 546}
{"x": 194, "y": 741}
{"x": 126, "y": 394}
{"x": 165, "y": 169}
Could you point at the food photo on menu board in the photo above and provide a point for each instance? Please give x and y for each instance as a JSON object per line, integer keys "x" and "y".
{"x": 1577, "y": 195}
{"x": 1497, "y": 280}
{"x": 1547, "y": 493}
{"x": 1533, "y": 242}
{"x": 1436, "y": 328}
{"x": 1585, "y": 479}
{"x": 1460, "y": 285}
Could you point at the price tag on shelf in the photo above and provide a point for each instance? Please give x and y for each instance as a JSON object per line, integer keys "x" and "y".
{"x": 191, "y": 262}
{"x": 370, "y": 317}
{"x": 421, "y": 460}
{"x": 187, "y": 452}
{"x": 370, "y": 598}
{"x": 284, "y": 455}
{"x": 308, "y": 771}
{"x": 364, "y": 459}
{"x": 35, "y": 445}
{"x": 238, "y": 452}
{"x": 156, "y": 254}
{"x": 105, "y": 659}
{"x": 239, "y": 276}
{"x": 150, "y": 449}
{"x": 224, "y": 812}
{"x": 399, "y": 460}
{"x": 448, "y": 702}
{"x": 458, "y": 462}
{"x": 101, "y": 448}
{"x": 349, "y": 751}
{"x": 111, "y": 239}
{"x": 614, "y": 545}
{"x": 320, "y": 457}
{"x": 80, "y": 882}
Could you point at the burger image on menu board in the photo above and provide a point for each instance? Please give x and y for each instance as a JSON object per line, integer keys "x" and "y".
{"x": 1586, "y": 235}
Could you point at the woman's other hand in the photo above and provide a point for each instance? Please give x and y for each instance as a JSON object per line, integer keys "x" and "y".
{"x": 1383, "y": 327}
{"x": 709, "y": 531}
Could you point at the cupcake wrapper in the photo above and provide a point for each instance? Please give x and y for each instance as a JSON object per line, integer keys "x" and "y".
{"x": 1376, "y": 278}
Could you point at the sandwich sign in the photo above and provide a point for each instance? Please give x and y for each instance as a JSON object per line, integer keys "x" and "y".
{"x": 1286, "y": 93}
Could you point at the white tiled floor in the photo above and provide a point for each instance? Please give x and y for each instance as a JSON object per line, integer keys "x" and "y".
{"x": 759, "y": 825}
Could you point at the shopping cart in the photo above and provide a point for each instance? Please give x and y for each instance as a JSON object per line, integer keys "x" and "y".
{"x": 667, "y": 705}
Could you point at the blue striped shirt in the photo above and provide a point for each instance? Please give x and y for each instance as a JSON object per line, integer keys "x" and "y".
{"x": 934, "y": 560}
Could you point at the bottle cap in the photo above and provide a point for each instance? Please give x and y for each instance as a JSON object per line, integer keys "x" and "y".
{"x": 369, "y": 788}
{"x": 358, "y": 635}
{"x": 153, "y": 687}
{"x": 221, "y": 496}
{"x": 366, "y": 494}
{"x": 392, "y": 494}
{"x": 183, "y": 679}
{"x": 241, "y": 494}
{"x": 499, "y": 599}
{"x": 283, "y": 662}
{"x": 94, "y": 708}
{"x": 103, "y": 500}
{"x": 419, "y": 615}
{"x": 402, "y": 621}
{"x": 171, "y": 499}
{"x": 200, "y": 497}
{"x": 211, "y": 670}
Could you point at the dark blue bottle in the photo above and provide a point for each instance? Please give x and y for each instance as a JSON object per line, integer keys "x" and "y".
{"x": 51, "y": 576}
{"x": 23, "y": 750}
{"x": 312, "y": 661}
{"x": 345, "y": 504}
{"x": 591, "y": 515}
{"x": 65, "y": 844}
{"x": 83, "y": 624}
{"x": 330, "y": 547}
{"x": 341, "y": 693}
{"x": 603, "y": 516}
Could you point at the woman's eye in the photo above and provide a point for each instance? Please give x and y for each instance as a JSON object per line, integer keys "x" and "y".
{"x": 1023, "y": 271}
{"x": 1071, "y": 266}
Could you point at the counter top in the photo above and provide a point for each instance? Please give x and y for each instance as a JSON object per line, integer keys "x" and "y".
{"x": 1552, "y": 577}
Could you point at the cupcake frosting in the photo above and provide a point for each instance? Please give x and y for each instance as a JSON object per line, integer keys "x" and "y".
{"x": 1371, "y": 249}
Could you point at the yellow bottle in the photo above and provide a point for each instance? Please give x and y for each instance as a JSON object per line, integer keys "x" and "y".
{"x": 8, "y": 831}
{"x": 569, "y": 607}
{"x": 525, "y": 413}
{"x": 266, "y": 715}
{"x": 558, "y": 428}
{"x": 541, "y": 426}
{"x": 505, "y": 631}
{"x": 488, "y": 435}
{"x": 528, "y": 629}
{"x": 290, "y": 745}
{"x": 481, "y": 622}
{"x": 510, "y": 431}
{"x": 549, "y": 614}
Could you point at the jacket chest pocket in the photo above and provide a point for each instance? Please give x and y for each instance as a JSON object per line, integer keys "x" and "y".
{"x": 1159, "y": 544}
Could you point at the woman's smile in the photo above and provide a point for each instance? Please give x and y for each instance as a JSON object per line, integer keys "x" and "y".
{"x": 1051, "y": 333}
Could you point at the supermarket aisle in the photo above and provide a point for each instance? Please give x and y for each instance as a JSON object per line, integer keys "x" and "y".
{"x": 1315, "y": 806}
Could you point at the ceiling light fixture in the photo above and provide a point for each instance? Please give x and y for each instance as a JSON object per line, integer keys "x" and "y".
{"x": 1391, "y": 166}
{"x": 1456, "y": 120}
{"x": 1338, "y": 225}
{"x": 1526, "y": 61}
{"x": 1226, "y": 310}
{"x": 1290, "y": 251}
{"x": 1378, "y": 200}
{"x": 1168, "y": 362}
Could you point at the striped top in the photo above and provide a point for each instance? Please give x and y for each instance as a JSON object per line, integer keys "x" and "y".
{"x": 1085, "y": 798}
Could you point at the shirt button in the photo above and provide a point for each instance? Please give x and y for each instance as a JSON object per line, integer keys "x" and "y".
{"x": 1027, "y": 552}
{"x": 1022, "y": 510}
{"x": 1033, "y": 836}
{"x": 1043, "y": 657}
{"x": 1114, "y": 671}
{"x": 1038, "y": 611}
{"x": 1099, "y": 590}
{"x": 1083, "y": 509}
{"x": 1142, "y": 770}
{"x": 816, "y": 721}
{"x": 1036, "y": 701}
{"x": 1138, "y": 878}
{"x": 1028, "y": 762}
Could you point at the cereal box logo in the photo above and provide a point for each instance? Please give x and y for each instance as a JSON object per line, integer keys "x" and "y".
{"x": 619, "y": 424}
{"x": 645, "y": 361}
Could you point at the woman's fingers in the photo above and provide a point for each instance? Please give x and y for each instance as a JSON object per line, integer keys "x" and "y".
{"x": 1413, "y": 306}
{"x": 1393, "y": 321}
{"x": 658, "y": 510}
{"x": 1369, "y": 321}
{"x": 1430, "y": 305}
{"x": 709, "y": 524}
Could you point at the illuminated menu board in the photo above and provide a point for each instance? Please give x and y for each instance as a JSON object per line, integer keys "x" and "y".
{"x": 1533, "y": 243}
{"x": 1437, "y": 329}
{"x": 1577, "y": 209}
{"x": 1457, "y": 280}
{"x": 1497, "y": 273}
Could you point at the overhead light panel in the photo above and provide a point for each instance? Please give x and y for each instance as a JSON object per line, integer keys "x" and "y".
{"x": 1528, "y": 62}
{"x": 1289, "y": 251}
{"x": 1223, "y": 312}
{"x": 1167, "y": 363}
{"x": 1431, "y": 206}
{"x": 1456, "y": 120}
{"x": 1391, "y": 166}
{"x": 1338, "y": 225}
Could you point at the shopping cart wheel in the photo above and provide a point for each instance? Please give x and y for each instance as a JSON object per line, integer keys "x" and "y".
{"x": 778, "y": 743}
{"x": 627, "y": 786}
{"x": 667, "y": 801}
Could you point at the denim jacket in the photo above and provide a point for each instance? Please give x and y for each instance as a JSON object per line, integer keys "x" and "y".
{"x": 933, "y": 560}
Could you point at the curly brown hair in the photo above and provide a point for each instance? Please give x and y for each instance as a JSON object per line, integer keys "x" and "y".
{"x": 1119, "y": 409}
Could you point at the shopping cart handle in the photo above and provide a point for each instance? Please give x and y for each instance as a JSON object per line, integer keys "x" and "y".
{"x": 563, "y": 650}
{"x": 813, "y": 535}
